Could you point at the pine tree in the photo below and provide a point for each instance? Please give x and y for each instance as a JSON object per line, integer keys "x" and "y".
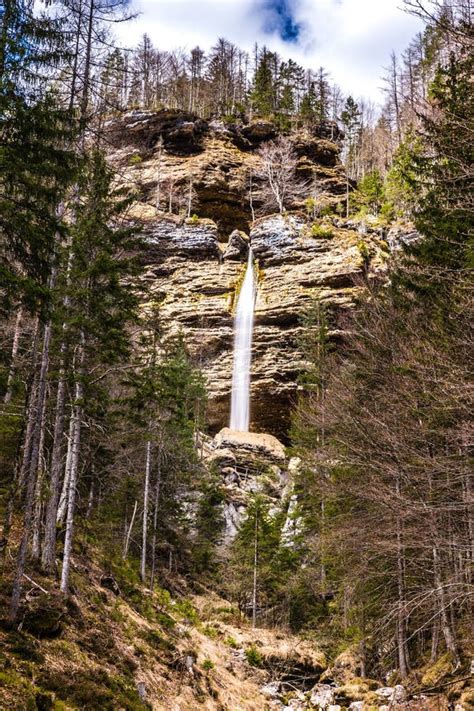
{"x": 308, "y": 106}
{"x": 263, "y": 94}
{"x": 36, "y": 168}
{"x": 351, "y": 120}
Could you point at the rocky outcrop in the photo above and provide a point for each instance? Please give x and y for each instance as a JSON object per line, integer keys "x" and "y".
{"x": 263, "y": 446}
{"x": 194, "y": 267}
{"x": 196, "y": 278}
{"x": 181, "y": 132}
{"x": 249, "y": 463}
{"x": 176, "y": 148}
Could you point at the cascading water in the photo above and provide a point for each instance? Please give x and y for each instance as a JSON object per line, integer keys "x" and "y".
{"x": 240, "y": 407}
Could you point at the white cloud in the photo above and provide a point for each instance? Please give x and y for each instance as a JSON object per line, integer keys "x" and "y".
{"x": 350, "y": 38}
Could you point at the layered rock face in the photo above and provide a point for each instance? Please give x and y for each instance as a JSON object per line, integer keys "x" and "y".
{"x": 195, "y": 266}
{"x": 161, "y": 154}
{"x": 196, "y": 280}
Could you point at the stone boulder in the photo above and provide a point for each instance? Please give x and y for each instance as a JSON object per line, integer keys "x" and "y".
{"x": 168, "y": 236}
{"x": 345, "y": 667}
{"x": 237, "y": 247}
{"x": 322, "y": 696}
{"x": 181, "y": 131}
{"x": 248, "y": 463}
{"x": 392, "y": 694}
{"x": 263, "y": 446}
{"x": 259, "y": 131}
{"x": 318, "y": 150}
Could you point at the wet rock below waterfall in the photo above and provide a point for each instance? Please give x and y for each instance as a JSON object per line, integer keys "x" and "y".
{"x": 264, "y": 446}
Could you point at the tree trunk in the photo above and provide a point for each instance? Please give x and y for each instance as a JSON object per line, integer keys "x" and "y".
{"x": 15, "y": 345}
{"x": 126, "y": 543}
{"x": 36, "y": 539}
{"x": 31, "y": 453}
{"x": 403, "y": 662}
{"x": 49, "y": 545}
{"x": 155, "y": 524}
{"x": 87, "y": 70}
{"x": 76, "y": 59}
{"x": 30, "y": 415}
{"x": 347, "y": 195}
{"x": 445, "y": 622}
{"x": 61, "y": 513}
{"x": 76, "y": 419}
{"x": 255, "y": 569}
{"x": 145, "y": 510}
{"x": 434, "y": 640}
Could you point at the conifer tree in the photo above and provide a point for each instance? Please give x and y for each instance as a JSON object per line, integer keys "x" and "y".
{"x": 263, "y": 94}
{"x": 35, "y": 166}
{"x": 351, "y": 119}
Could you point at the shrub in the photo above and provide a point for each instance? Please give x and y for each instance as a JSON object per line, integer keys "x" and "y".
{"x": 326, "y": 210}
{"x": 322, "y": 231}
{"x": 135, "y": 159}
{"x": 210, "y": 632}
{"x": 364, "y": 252}
{"x": 253, "y": 656}
{"x": 208, "y": 664}
{"x": 187, "y": 610}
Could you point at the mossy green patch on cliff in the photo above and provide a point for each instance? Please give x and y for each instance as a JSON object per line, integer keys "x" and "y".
{"x": 322, "y": 231}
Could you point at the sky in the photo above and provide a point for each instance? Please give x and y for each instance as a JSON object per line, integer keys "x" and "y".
{"x": 352, "y": 39}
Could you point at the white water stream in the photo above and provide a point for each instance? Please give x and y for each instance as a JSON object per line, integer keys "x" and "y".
{"x": 240, "y": 407}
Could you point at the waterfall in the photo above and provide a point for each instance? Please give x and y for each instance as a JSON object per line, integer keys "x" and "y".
{"x": 240, "y": 408}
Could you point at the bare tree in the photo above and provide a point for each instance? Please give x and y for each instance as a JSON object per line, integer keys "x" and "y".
{"x": 282, "y": 188}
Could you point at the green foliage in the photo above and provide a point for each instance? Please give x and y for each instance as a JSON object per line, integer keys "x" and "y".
{"x": 401, "y": 189}
{"x": 442, "y": 174}
{"x": 327, "y": 210}
{"x": 211, "y": 632}
{"x": 308, "y": 106}
{"x": 364, "y": 253}
{"x": 370, "y": 193}
{"x": 321, "y": 231}
{"x": 136, "y": 159}
{"x": 253, "y": 656}
{"x": 94, "y": 689}
{"x": 263, "y": 94}
{"x": 100, "y": 302}
{"x": 158, "y": 642}
{"x": 276, "y": 562}
{"x": 208, "y": 523}
{"x": 208, "y": 664}
{"x": 36, "y": 164}
{"x": 187, "y": 610}
{"x": 351, "y": 119}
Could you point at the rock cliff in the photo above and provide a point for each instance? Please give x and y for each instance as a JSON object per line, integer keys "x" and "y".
{"x": 194, "y": 266}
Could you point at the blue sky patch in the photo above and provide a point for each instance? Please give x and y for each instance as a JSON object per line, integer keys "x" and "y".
{"x": 279, "y": 17}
